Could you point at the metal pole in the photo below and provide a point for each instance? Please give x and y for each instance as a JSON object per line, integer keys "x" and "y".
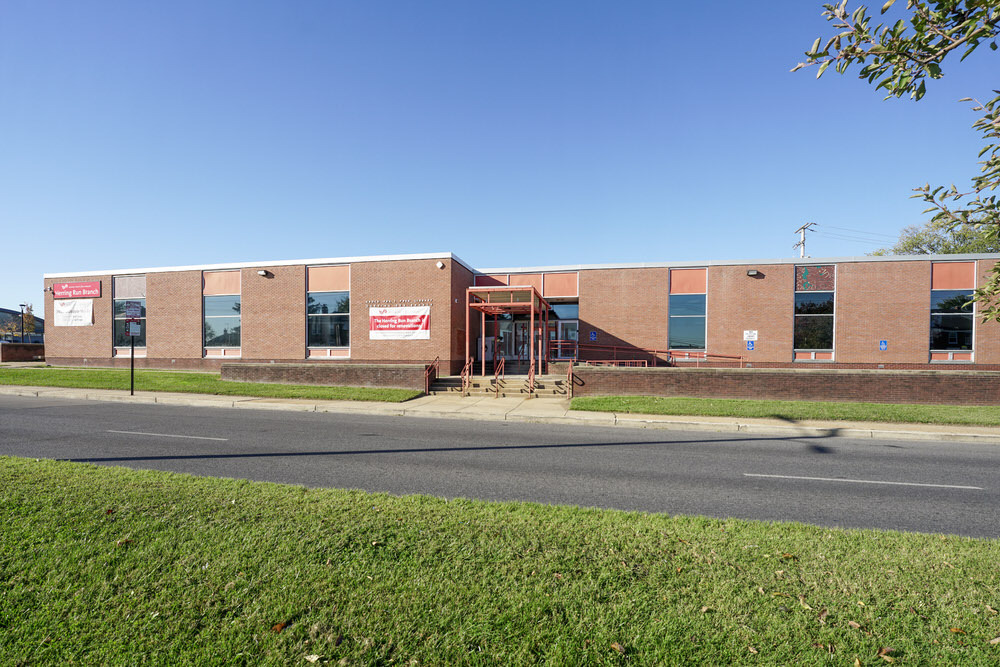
{"x": 482, "y": 340}
{"x": 131, "y": 390}
{"x": 21, "y": 305}
{"x": 467, "y": 333}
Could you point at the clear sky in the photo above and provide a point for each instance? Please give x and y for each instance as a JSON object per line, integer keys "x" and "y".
{"x": 510, "y": 133}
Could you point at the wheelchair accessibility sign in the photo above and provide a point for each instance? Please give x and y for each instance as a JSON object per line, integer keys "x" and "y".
{"x": 750, "y": 345}
{"x": 883, "y": 345}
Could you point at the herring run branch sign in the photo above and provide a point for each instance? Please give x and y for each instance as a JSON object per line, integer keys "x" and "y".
{"x": 77, "y": 290}
{"x": 403, "y": 323}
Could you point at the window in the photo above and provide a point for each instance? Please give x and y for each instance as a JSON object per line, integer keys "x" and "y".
{"x": 128, "y": 288}
{"x": 122, "y": 339}
{"x": 814, "y": 311}
{"x": 328, "y": 319}
{"x": 686, "y": 322}
{"x": 222, "y": 321}
{"x": 951, "y": 320}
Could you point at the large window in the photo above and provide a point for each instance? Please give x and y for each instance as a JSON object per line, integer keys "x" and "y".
{"x": 814, "y": 311}
{"x": 222, "y": 321}
{"x": 329, "y": 319}
{"x": 122, "y": 339}
{"x": 951, "y": 320}
{"x": 686, "y": 328}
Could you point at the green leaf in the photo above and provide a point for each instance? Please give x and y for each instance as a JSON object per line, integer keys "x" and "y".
{"x": 887, "y": 5}
{"x": 822, "y": 68}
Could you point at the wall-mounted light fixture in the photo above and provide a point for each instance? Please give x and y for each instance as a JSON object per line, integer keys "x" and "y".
{"x": 265, "y": 273}
{"x": 440, "y": 265}
{"x": 753, "y": 273}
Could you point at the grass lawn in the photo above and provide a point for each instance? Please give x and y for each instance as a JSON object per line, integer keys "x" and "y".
{"x": 192, "y": 383}
{"x": 113, "y": 566}
{"x": 793, "y": 410}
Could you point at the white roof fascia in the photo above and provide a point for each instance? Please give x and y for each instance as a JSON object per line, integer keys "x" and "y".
{"x": 251, "y": 265}
{"x": 745, "y": 262}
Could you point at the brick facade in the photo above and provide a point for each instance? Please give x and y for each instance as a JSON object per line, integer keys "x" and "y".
{"x": 22, "y": 352}
{"x": 627, "y": 307}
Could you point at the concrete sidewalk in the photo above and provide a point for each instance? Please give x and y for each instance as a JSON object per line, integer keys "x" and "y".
{"x": 538, "y": 410}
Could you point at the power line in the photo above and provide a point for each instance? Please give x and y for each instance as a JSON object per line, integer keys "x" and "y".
{"x": 860, "y": 231}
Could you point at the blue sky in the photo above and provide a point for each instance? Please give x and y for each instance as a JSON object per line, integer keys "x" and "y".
{"x": 510, "y": 133}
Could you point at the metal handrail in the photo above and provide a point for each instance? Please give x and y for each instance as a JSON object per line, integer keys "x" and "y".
{"x": 569, "y": 379}
{"x": 630, "y": 353}
{"x": 467, "y": 376}
{"x": 531, "y": 380}
{"x": 498, "y": 376}
{"x": 431, "y": 374}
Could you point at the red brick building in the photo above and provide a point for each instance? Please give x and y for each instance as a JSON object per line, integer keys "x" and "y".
{"x": 867, "y": 312}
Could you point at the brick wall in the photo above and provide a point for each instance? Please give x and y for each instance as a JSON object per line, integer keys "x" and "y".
{"x": 738, "y": 302}
{"x": 402, "y": 376}
{"x": 22, "y": 352}
{"x": 872, "y": 386}
{"x": 173, "y": 320}
{"x": 461, "y": 280}
{"x": 273, "y": 313}
{"x": 93, "y": 342}
{"x": 987, "y": 343}
{"x": 624, "y": 307}
{"x": 882, "y": 301}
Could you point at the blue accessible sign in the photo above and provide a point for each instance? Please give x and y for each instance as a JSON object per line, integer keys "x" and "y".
{"x": 593, "y": 336}
{"x": 883, "y": 345}
{"x": 750, "y": 346}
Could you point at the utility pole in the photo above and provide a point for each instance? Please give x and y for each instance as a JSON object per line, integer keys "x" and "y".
{"x": 801, "y": 231}
{"x": 23, "y": 306}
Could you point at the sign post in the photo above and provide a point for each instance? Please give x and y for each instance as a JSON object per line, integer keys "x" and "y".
{"x": 133, "y": 311}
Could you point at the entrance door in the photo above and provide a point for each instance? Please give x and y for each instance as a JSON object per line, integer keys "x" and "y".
{"x": 567, "y": 332}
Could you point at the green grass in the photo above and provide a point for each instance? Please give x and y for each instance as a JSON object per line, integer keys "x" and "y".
{"x": 192, "y": 383}
{"x": 112, "y": 566}
{"x": 793, "y": 410}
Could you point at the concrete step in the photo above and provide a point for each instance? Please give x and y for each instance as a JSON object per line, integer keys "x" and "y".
{"x": 516, "y": 385}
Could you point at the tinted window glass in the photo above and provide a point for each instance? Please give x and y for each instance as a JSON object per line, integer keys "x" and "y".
{"x": 119, "y": 307}
{"x": 222, "y": 331}
{"x": 686, "y": 333}
{"x": 951, "y": 332}
{"x": 687, "y": 304}
{"x": 122, "y": 339}
{"x": 813, "y": 333}
{"x": 565, "y": 311}
{"x": 814, "y": 303}
{"x": 330, "y": 331}
{"x": 951, "y": 301}
{"x": 222, "y": 306}
{"x": 328, "y": 302}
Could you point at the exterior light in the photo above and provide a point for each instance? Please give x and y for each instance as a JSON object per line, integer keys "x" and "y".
{"x": 753, "y": 273}
{"x": 440, "y": 265}
{"x": 265, "y": 273}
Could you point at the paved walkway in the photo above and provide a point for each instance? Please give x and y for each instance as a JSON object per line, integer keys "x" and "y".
{"x": 539, "y": 410}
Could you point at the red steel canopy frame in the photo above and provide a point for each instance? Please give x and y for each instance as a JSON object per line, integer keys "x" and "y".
{"x": 511, "y": 299}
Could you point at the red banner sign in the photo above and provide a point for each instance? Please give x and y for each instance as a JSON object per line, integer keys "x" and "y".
{"x": 407, "y": 323}
{"x": 77, "y": 290}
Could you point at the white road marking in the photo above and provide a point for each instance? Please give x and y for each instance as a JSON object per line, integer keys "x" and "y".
{"x": 170, "y": 435}
{"x": 866, "y": 481}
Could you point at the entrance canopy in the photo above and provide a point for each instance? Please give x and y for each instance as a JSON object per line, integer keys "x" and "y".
{"x": 508, "y": 299}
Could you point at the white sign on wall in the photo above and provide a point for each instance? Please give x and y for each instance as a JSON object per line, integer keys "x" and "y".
{"x": 406, "y": 323}
{"x": 73, "y": 312}
{"x": 749, "y": 334}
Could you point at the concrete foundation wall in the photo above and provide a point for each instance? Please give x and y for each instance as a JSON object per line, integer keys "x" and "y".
{"x": 400, "y": 376}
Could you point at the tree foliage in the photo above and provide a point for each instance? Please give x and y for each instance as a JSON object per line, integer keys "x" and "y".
{"x": 937, "y": 239}
{"x": 900, "y": 58}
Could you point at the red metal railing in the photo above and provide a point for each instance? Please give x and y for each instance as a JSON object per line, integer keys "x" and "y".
{"x": 531, "y": 380}
{"x": 622, "y": 355}
{"x": 431, "y": 373}
{"x": 569, "y": 380}
{"x": 467, "y": 376}
{"x": 498, "y": 376}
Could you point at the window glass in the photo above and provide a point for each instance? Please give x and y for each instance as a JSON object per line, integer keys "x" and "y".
{"x": 814, "y": 333}
{"x": 222, "y": 306}
{"x": 686, "y": 333}
{"x": 565, "y": 311}
{"x": 951, "y": 332}
{"x": 951, "y": 301}
{"x": 814, "y": 303}
{"x": 222, "y": 332}
{"x": 329, "y": 331}
{"x": 687, "y": 304}
{"x": 120, "y": 328}
{"x": 328, "y": 302}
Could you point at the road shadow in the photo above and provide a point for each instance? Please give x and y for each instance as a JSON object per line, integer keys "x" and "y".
{"x": 807, "y": 440}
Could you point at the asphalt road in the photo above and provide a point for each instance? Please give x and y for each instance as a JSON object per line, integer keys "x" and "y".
{"x": 828, "y": 481}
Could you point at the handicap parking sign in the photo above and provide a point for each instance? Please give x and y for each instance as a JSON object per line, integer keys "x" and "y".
{"x": 883, "y": 345}
{"x": 593, "y": 336}
{"x": 750, "y": 346}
